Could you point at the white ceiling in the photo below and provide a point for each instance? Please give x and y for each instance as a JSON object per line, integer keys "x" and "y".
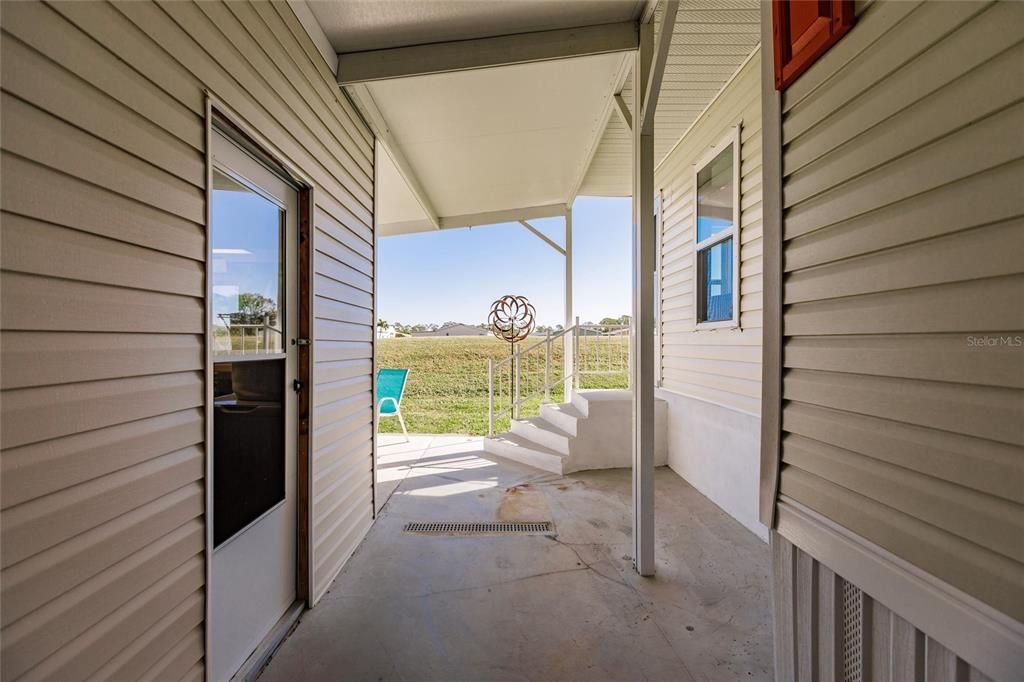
{"x": 528, "y": 135}
{"x": 359, "y": 25}
{"x": 494, "y": 139}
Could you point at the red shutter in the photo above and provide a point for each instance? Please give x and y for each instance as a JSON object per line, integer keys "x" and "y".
{"x": 803, "y": 30}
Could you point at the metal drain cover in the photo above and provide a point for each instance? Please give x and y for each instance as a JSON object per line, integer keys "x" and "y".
{"x": 479, "y": 527}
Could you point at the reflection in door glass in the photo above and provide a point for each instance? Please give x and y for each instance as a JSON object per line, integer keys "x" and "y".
{"x": 247, "y": 236}
{"x": 248, "y": 443}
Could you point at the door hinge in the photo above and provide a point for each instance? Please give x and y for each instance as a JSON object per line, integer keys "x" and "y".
{"x": 297, "y": 385}
{"x": 301, "y": 342}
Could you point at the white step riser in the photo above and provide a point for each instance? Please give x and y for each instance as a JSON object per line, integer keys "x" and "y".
{"x": 533, "y": 458}
{"x": 548, "y": 439}
{"x": 561, "y": 420}
{"x": 581, "y": 404}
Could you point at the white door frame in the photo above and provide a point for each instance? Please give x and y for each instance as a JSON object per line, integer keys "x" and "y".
{"x": 219, "y": 114}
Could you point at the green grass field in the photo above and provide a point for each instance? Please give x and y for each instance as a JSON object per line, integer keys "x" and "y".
{"x": 447, "y": 387}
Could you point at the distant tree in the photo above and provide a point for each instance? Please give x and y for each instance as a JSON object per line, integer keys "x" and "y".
{"x": 449, "y": 324}
{"x": 253, "y": 308}
{"x": 383, "y": 324}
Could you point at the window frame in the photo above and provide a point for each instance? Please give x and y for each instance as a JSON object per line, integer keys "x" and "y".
{"x": 732, "y": 136}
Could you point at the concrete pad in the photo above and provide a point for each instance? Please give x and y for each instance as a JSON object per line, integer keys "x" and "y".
{"x": 563, "y": 607}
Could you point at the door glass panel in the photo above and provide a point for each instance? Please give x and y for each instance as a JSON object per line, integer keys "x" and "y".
{"x": 249, "y": 456}
{"x": 248, "y": 233}
{"x": 248, "y": 443}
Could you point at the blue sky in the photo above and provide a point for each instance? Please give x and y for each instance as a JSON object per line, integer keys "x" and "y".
{"x": 456, "y": 274}
{"x": 246, "y": 248}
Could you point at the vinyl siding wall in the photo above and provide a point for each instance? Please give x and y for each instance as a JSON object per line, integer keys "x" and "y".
{"x": 103, "y": 259}
{"x": 711, "y": 379}
{"x": 719, "y": 365}
{"x": 902, "y": 255}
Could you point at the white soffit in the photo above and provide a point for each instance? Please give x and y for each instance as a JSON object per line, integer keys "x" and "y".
{"x": 491, "y": 140}
{"x": 398, "y": 208}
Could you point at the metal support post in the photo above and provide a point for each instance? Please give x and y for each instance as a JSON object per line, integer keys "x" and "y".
{"x": 567, "y": 341}
{"x": 643, "y": 313}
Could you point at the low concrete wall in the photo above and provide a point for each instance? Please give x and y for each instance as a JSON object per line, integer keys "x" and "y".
{"x": 604, "y": 440}
{"x": 717, "y": 450}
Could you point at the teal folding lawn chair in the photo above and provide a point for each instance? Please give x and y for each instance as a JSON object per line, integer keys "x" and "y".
{"x": 390, "y": 387}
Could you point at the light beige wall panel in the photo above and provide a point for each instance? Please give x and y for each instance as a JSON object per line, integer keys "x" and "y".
{"x": 902, "y": 322}
{"x": 103, "y": 255}
{"x": 733, "y": 380}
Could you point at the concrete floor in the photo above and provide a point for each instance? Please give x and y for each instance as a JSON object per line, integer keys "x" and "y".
{"x": 410, "y": 607}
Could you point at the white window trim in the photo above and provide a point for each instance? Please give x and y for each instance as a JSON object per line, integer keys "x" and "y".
{"x": 731, "y": 137}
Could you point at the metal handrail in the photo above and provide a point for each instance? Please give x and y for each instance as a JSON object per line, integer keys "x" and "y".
{"x": 549, "y": 338}
{"x": 572, "y": 335}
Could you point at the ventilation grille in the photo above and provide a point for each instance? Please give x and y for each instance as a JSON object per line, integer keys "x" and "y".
{"x": 853, "y": 634}
{"x": 479, "y": 528}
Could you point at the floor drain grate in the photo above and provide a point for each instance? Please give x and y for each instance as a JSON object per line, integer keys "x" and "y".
{"x": 479, "y": 528}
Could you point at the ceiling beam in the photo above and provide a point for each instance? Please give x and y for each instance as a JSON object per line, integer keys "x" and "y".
{"x": 507, "y": 216}
{"x": 511, "y": 215}
{"x": 600, "y": 126}
{"x": 652, "y": 88}
{"x": 620, "y": 106}
{"x": 482, "y": 53}
{"x": 543, "y": 237}
{"x": 364, "y": 100}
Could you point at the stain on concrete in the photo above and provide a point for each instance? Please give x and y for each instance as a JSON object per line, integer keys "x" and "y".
{"x": 523, "y": 503}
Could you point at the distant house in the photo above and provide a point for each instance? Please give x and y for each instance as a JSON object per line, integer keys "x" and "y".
{"x": 386, "y": 333}
{"x": 455, "y": 330}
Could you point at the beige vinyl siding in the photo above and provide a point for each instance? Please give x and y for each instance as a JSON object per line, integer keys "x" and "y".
{"x": 902, "y": 237}
{"x": 719, "y": 365}
{"x": 103, "y": 250}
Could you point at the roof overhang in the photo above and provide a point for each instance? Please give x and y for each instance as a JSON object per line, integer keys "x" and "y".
{"x": 491, "y": 112}
{"x": 479, "y": 145}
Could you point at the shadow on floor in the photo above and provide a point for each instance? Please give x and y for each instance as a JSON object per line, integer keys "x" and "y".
{"x": 568, "y": 607}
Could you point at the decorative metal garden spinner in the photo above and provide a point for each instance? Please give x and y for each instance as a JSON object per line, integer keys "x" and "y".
{"x": 512, "y": 319}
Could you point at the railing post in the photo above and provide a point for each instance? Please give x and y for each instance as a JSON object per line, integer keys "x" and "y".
{"x": 629, "y": 359}
{"x": 547, "y": 368}
{"x": 576, "y": 354}
{"x": 515, "y": 382}
{"x": 490, "y": 397}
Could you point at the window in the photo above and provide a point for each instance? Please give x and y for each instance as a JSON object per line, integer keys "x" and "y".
{"x": 716, "y": 202}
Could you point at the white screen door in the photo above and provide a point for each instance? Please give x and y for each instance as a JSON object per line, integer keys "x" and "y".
{"x": 254, "y": 318}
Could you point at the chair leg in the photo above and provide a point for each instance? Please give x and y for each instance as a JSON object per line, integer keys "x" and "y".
{"x": 401, "y": 420}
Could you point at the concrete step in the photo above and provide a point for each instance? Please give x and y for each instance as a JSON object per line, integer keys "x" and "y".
{"x": 580, "y": 402}
{"x": 542, "y": 432}
{"x": 518, "y": 449}
{"x": 564, "y": 416}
